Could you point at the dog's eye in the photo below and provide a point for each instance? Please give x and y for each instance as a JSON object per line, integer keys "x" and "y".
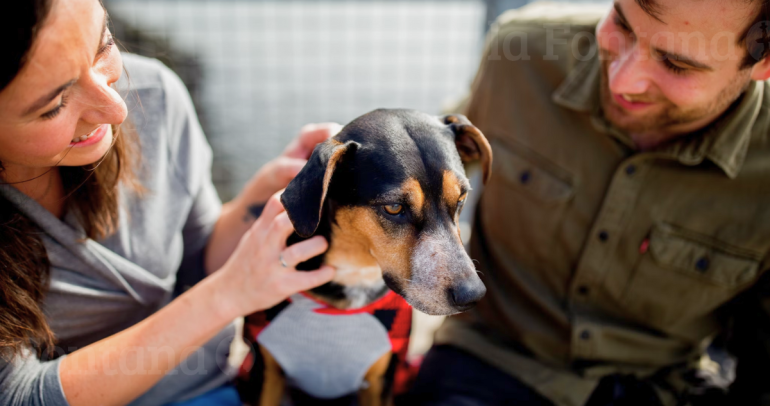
{"x": 462, "y": 198}
{"x": 394, "y": 209}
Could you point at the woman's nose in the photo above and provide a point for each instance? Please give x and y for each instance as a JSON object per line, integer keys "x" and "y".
{"x": 102, "y": 103}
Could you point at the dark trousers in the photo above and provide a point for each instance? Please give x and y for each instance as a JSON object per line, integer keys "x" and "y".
{"x": 452, "y": 377}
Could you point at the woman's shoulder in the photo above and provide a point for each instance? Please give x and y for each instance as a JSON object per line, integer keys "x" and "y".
{"x": 141, "y": 72}
{"x": 162, "y": 113}
{"x": 150, "y": 80}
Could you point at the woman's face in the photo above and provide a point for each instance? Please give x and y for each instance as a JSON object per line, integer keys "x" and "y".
{"x": 58, "y": 109}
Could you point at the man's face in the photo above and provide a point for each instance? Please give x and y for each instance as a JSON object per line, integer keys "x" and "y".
{"x": 673, "y": 72}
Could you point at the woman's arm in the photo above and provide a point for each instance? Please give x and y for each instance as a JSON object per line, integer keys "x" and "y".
{"x": 118, "y": 369}
{"x": 238, "y": 215}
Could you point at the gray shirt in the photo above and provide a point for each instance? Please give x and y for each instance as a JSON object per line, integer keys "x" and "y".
{"x": 99, "y": 288}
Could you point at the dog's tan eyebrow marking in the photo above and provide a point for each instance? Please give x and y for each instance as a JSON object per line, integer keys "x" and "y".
{"x": 409, "y": 192}
{"x": 360, "y": 224}
{"x": 454, "y": 190}
{"x": 452, "y": 187}
{"x": 414, "y": 194}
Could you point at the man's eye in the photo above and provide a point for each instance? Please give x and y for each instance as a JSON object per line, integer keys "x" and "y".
{"x": 677, "y": 70}
{"x": 393, "y": 209}
{"x": 621, "y": 24}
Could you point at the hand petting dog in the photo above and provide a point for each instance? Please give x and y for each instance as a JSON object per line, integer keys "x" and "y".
{"x": 240, "y": 213}
{"x": 276, "y": 174}
{"x": 253, "y": 267}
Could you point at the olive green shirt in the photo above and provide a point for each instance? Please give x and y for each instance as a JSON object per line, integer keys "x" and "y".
{"x": 599, "y": 258}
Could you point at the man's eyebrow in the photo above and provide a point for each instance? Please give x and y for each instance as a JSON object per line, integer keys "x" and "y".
{"x": 619, "y": 11}
{"x": 683, "y": 59}
{"x": 651, "y": 8}
{"x": 43, "y": 101}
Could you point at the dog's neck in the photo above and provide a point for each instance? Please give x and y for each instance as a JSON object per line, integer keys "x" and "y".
{"x": 358, "y": 280}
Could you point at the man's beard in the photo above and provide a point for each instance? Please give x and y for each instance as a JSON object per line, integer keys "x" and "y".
{"x": 666, "y": 116}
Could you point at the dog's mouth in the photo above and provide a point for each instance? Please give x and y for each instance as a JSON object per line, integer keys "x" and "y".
{"x": 437, "y": 299}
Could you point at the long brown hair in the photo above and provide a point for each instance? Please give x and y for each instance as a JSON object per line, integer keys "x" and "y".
{"x": 92, "y": 195}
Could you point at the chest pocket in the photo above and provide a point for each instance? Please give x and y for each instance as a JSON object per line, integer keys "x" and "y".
{"x": 685, "y": 275}
{"x": 523, "y": 205}
{"x": 531, "y": 175}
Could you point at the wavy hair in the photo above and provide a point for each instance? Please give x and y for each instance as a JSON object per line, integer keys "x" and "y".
{"x": 91, "y": 190}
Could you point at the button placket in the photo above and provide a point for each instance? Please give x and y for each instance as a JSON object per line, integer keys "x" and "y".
{"x": 602, "y": 242}
{"x": 612, "y": 218}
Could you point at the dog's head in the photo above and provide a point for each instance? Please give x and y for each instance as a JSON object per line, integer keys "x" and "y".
{"x": 392, "y": 182}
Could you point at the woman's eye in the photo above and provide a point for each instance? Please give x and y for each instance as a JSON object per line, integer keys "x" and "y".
{"x": 393, "y": 209}
{"x": 56, "y": 110}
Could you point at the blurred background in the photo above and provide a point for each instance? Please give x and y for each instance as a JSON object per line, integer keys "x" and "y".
{"x": 260, "y": 69}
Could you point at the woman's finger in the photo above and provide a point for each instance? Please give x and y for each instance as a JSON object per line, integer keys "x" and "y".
{"x": 300, "y": 281}
{"x": 304, "y": 250}
{"x": 280, "y": 230}
{"x": 309, "y": 136}
{"x": 272, "y": 209}
{"x": 287, "y": 169}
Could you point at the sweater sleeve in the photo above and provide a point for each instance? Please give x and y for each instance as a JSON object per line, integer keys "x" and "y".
{"x": 27, "y": 381}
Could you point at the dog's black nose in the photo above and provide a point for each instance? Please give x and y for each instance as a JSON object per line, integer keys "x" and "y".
{"x": 466, "y": 294}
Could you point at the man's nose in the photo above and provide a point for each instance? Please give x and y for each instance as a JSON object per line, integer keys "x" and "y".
{"x": 466, "y": 293}
{"x": 627, "y": 74}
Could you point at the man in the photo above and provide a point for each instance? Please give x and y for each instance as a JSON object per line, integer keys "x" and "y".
{"x": 626, "y": 227}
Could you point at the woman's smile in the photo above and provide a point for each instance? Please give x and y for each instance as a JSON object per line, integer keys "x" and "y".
{"x": 92, "y": 138}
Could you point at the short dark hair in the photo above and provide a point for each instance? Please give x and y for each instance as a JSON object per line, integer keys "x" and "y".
{"x": 756, "y": 36}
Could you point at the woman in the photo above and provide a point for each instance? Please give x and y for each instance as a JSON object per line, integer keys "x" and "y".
{"x": 102, "y": 228}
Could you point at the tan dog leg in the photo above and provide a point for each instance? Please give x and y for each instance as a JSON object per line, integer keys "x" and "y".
{"x": 274, "y": 382}
{"x": 375, "y": 377}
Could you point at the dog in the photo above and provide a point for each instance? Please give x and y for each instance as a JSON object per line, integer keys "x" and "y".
{"x": 386, "y": 192}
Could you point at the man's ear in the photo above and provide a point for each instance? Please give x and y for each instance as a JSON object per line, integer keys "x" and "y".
{"x": 761, "y": 70}
{"x": 470, "y": 142}
{"x": 305, "y": 195}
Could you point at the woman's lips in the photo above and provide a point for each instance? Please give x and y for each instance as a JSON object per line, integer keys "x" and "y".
{"x": 94, "y": 137}
{"x": 629, "y": 105}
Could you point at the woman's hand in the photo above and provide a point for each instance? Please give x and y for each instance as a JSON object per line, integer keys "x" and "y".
{"x": 254, "y": 275}
{"x": 117, "y": 369}
{"x": 239, "y": 214}
{"x": 276, "y": 174}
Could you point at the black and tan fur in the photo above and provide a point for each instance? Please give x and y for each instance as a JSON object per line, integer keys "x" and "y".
{"x": 381, "y": 162}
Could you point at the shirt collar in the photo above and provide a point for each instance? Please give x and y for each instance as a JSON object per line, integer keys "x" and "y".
{"x": 725, "y": 142}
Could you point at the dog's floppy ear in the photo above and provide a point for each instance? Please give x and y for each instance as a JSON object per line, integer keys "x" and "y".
{"x": 471, "y": 143}
{"x": 305, "y": 195}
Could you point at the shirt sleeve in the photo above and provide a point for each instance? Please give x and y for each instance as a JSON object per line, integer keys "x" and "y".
{"x": 27, "y": 381}
{"x": 192, "y": 157}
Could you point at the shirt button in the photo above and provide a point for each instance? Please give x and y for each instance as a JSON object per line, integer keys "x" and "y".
{"x": 585, "y": 335}
{"x": 604, "y": 236}
{"x": 703, "y": 264}
{"x": 525, "y": 177}
{"x": 583, "y": 290}
{"x": 630, "y": 169}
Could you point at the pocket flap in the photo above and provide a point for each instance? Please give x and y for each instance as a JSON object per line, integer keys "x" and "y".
{"x": 528, "y": 172}
{"x": 703, "y": 257}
